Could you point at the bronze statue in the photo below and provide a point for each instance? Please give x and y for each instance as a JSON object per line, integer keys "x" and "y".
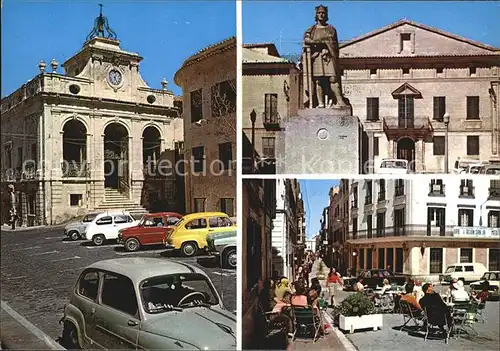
{"x": 320, "y": 59}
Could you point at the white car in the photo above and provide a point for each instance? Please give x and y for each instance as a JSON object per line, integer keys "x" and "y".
{"x": 393, "y": 166}
{"x": 106, "y": 226}
{"x": 75, "y": 230}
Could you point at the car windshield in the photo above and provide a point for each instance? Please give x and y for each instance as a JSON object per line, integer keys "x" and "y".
{"x": 393, "y": 164}
{"x": 450, "y": 269}
{"x": 166, "y": 292}
{"x": 89, "y": 217}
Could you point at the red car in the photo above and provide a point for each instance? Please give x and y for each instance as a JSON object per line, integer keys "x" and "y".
{"x": 150, "y": 231}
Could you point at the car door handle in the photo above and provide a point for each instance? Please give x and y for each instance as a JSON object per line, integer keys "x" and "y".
{"x": 132, "y": 323}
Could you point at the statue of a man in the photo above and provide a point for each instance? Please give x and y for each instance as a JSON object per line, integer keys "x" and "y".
{"x": 321, "y": 59}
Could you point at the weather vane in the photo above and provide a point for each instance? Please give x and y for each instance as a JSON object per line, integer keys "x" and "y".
{"x": 100, "y": 25}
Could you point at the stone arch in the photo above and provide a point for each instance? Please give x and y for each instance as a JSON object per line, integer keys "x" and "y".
{"x": 74, "y": 148}
{"x": 116, "y": 156}
{"x": 151, "y": 145}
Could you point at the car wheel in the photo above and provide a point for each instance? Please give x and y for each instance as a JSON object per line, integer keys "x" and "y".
{"x": 189, "y": 249}
{"x": 98, "y": 239}
{"x": 132, "y": 244}
{"x": 74, "y": 235}
{"x": 230, "y": 259}
{"x": 70, "y": 336}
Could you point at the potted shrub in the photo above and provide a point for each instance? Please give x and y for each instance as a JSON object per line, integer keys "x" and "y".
{"x": 358, "y": 312}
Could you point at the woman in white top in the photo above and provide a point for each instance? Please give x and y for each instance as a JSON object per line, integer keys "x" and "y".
{"x": 386, "y": 287}
{"x": 459, "y": 294}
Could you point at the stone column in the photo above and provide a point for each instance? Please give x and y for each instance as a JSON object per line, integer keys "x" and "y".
{"x": 390, "y": 148}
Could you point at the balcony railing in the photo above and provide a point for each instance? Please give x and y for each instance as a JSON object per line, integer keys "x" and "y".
{"x": 381, "y": 195}
{"x": 368, "y": 199}
{"x": 416, "y": 127}
{"x": 271, "y": 120}
{"x": 494, "y": 193}
{"x": 354, "y": 203}
{"x": 72, "y": 169}
{"x": 436, "y": 189}
{"x": 399, "y": 190}
{"x": 466, "y": 191}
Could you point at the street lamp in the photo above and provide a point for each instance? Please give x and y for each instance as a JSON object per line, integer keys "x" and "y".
{"x": 446, "y": 120}
{"x": 253, "y": 118}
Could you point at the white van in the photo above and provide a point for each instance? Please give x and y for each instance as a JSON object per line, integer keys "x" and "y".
{"x": 393, "y": 166}
{"x": 106, "y": 226}
{"x": 466, "y": 272}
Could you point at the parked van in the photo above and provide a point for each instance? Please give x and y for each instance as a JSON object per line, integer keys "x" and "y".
{"x": 106, "y": 226}
{"x": 466, "y": 272}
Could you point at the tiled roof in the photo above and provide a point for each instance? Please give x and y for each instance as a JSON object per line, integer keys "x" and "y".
{"x": 254, "y": 56}
{"x": 420, "y": 25}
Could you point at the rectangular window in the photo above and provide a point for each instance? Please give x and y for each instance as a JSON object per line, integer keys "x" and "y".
{"x": 472, "y": 107}
{"x": 225, "y": 155}
{"x": 436, "y": 217}
{"x": 406, "y": 70}
{"x": 436, "y": 187}
{"x": 466, "y": 188}
{"x": 494, "y": 259}
{"x": 399, "y": 260}
{"x": 406, "y": 112}
{"x": 405, "y": 43}
{"x": 473, "y": 145}
{"x": 466, "y": 255}
{"x": 117, "y": 285}
{"x": 196, "y": 105}
{"x": 390, "y": 257}
{"x": 75, "y": 199}
{"x": 439, "y": 107}
{"x": 227, "y": 206}
{"x": 372, "y": 109}
{"x": 438, "y": 145}
{"x": 8, "y": 156}
{"x": 436, "y": 260}
{"x": 381, "y": 192}
{"x": 223, "y": 98}
{"x": 355, "y": 197}
{"x": 439, "y": 70}
{"x": 268, "y": 147}
{"x": 376, "y": 146}
{"x": 465, "y": 217}
{"x": 270, "y": 108}
{"x": 373, "y": 71}
{"x": 400, "y": 187}
{"x": 494, "y": 219}
{"x": 494, "y": 189}
{"x": 369, "y": 258}
{"x": 381, "y": 258}
{"x": 198, "y": 158}
{"x": 369, "y": 226}
{"x": 199, "y": 205}
{"x": 472, "y": 71}
{"x": 19, "y": 157}
{"x": 380, "y": 224}
{"x": 399, "y": 222}
{"x": 355, "y": 228}
{"x": 362, "y": 258}
{"x": 369, "y": 193}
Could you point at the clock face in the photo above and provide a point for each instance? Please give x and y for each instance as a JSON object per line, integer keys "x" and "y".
{"x": 114, "y": 77}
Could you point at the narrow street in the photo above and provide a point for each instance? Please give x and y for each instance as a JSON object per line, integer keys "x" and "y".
{"x": 39, "y": 268}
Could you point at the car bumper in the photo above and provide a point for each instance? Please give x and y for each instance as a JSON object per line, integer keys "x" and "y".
{"x": 170, "y": 247}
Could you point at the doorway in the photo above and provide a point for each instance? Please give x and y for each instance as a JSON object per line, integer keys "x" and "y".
{"x": 406, "y": 151}
{"x": 116, "y": 157}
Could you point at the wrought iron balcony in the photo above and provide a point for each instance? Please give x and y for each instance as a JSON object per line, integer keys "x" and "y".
{"x": 72, "y": 169}
{"x": 381, "y": 195}
{"x": 417, "y": 127}
{"x": 399, "y": 190}
{"x": 436, "y": 189}
{"x": 271, "y": 120}
{"x": 494, "y": 193}
{"x": 354, "y": 203}
{"x": 466, "y": 191}
{"x": 368, "y": 199}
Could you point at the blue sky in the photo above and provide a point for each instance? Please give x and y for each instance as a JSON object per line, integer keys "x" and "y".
{"x": 284, "y": 22}
{"x": 315, "y": 196}
{"x": 165, "y": 33}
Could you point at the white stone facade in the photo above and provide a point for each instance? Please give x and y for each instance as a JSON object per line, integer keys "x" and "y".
{"x": 103, "y": 99}
{"x": 280, "y": 235}
{"x": 445, "y": 218}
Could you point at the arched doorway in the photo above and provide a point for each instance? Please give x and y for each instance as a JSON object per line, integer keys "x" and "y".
{"x": 116, "y": 157}
{"x": 406, "y": 151}
{"x": 74, "y": 149}
{"x": 151, "y": 148}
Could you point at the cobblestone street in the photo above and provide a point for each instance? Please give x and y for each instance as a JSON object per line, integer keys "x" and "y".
{"x": 39, "y": 268}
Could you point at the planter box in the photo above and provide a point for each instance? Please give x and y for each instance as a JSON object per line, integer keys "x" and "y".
{"x": 367, "y": 321}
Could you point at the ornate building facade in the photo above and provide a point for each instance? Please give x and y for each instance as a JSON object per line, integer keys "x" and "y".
{"x": 91, "y": 138}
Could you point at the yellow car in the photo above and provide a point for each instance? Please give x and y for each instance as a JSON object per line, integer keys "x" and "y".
{"x": 190, "y": 233}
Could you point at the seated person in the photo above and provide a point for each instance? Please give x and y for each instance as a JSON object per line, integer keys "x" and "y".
{"x": 417, "y": 289}
{"x": 285, "y": 302}
{"x": 282, "y": 287}
{"x": 459, "y": 293}
{"x": 484, "y": 294}
{"x": 386, "y": 286}
{"x": 299, "y": 298}
{"x": 410, "y": 297}
{"x": 359, "y": 285}
{"x": 433, "y": 301}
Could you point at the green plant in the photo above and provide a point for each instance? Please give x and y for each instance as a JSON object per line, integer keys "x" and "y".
{"x": 357, "y": 305}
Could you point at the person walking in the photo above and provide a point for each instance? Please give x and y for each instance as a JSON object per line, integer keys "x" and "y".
{"x": 333, "y": 283}
{"x": 12, "y": 204}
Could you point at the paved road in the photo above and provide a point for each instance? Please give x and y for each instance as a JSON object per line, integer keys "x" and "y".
{"x": 39, "y": 269}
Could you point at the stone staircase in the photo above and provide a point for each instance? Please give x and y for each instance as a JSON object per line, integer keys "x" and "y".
{"x": 115, "y": 200}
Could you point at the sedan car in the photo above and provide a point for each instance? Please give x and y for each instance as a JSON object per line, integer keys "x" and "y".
{"x": 223, "y": 247}
{"x": 76, "y": 230}
{"x": 147, "y": 303}
{"x": 493, "y": 278}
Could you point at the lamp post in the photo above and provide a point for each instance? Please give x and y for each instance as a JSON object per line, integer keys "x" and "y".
{"x": 253, "y": 118}
{"x": 446, "y": 120}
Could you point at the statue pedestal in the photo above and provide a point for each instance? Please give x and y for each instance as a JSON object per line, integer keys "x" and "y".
{"x": 320, "y": 140}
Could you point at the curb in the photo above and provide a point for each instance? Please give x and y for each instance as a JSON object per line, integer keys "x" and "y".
{"x": 348, "y": 345}
{"x": 8, "y": 229}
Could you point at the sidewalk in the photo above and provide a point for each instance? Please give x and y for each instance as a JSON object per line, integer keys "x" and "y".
{"x": 19, "y": 334}
{"x": 8, "y": 228}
